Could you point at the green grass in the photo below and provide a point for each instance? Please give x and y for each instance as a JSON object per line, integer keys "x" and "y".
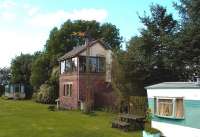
{"x": 29, "y": 119}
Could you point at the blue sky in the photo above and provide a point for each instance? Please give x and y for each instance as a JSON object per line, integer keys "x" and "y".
{"x": 25, "y": 24}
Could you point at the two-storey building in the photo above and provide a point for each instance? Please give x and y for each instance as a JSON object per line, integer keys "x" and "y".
{"x": 86, "y": 67}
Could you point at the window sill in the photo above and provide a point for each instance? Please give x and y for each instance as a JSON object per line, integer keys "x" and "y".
{"x": 169, "y": 117}
{"x": 67, "y": 96}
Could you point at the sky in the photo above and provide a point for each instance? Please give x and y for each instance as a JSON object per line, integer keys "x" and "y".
{"x": 25, "y": 24}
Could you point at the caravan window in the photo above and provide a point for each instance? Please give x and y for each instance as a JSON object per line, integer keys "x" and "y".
{"x": 169, "y": 107}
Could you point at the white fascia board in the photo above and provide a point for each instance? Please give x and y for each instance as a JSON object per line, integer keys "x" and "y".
{"x": 187, "y": 94}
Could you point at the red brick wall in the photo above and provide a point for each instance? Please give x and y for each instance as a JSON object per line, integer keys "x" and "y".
{"x": 102, "y": 91}
{"x": 66, "y": 101}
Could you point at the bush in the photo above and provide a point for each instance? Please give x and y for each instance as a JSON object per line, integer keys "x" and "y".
{"x": 152, "y": 130}
{"x": 46, "y": 94}
{"x": 4, "y": 97}
{"x": 2, "y": 90}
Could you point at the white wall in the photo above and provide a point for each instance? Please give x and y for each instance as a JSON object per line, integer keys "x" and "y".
{"x": 170, "y": 130}
{"x": 96, "y": 50}
{"x": 188, "y": 94}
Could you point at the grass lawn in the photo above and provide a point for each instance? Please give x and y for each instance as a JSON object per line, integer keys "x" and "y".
{"x": 29, "y": 119}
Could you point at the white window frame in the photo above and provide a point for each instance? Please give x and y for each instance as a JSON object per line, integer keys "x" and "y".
{"x": 66, "y": 93}
{"x": 173, "y": 116}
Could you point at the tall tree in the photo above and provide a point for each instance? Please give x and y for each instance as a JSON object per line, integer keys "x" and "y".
{"x": 150, "y": 57}
{"x": 157, "y": 44}
{"x": 21, "y": 69}
{"x": 40, "y": 71}
{"x": 4, "y": 76}
{"x": 62, "y": 40}
{"x": 189, "y": 37}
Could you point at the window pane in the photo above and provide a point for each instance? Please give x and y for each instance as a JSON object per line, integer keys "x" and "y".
{"x": 70, "y": 90}
{"x": 74, "y": 64}
{"x": 17, "y": 88}
{"x": 101, "y": 64}
{"x": 62, "y": 67}
{"x": 179, "y": 108}
{"x": 93, "y": 64}
{"x": 96, "y": 64}
{"x": 64, "y": 90}
{"x": 165, "y": 107}
{"x": 67, "y": 90}
{"x": 82, "y": 64}
{"x": 68, "y": 65}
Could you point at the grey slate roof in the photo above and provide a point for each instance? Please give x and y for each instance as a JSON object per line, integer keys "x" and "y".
{"x": 77, "y": 50}
{"x": 174, "y": 85}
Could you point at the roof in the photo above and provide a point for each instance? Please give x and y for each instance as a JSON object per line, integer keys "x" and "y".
{"x": 174, "y": 85}
{"x": 77, "y": 50}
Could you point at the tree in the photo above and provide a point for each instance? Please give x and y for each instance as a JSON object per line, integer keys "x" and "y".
{"x": 158, "y": 44}
{"x": 62, "y": 40}
{"x": 21, "y": 72}
{"x": 189, "y": 11}
{"x": 40, "y": 71}
{"x": 111, "y": 36}
{"x": 21, "y": 69}
{"x": 150, "y": 57}
{"x": 4, "y": 76}
{"x": 45, "y": 68}
{"x": 189, "y": 38}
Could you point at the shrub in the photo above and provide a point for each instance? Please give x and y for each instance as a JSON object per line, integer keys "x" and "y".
{"x": 46, "y": 94}
{"x": 152, "y": 130}
{"x": 2, "y": 90}
{"x": 4, "y": 97}
{"x": 148, "y": 118}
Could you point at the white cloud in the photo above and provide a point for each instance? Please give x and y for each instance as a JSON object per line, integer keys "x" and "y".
{"x": 29, "y": 26}
{"x": 7, "y": 16}
{"x": 6, "y": 4}
{"x": 15, "y": 42}
{"x": 58, "y": 17}
{"x": 32, "y": 11}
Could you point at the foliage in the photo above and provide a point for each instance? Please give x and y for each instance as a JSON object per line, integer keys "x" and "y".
{"x": 189, "y": 11}
{"x": 148, "y": 116}
{"x": 45, "y": 67}
{"x": 2, "y": 89}
{"x": 189, "y": 38}
{"x": 149, "y": 58}
{"x": 62, "y": 40}
{"x": 40, "y": 71}
{"x": 118, "y": 76}
{"x": 152, "y": 130}
{"x": 4, "y": 76}
{"x": 158, "y": 45}
{"x": 164, "y": 51}
{"x": 46, "y": 94}
{"x": 21, "y": 69}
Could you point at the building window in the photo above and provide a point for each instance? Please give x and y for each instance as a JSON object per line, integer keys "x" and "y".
{"x": 62, "y": 67}
{"x": 169, "y": 107}
{"x": 68, "y": 89}
{"x": 96, "y": 64}
{"x": 68, "y": 65}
